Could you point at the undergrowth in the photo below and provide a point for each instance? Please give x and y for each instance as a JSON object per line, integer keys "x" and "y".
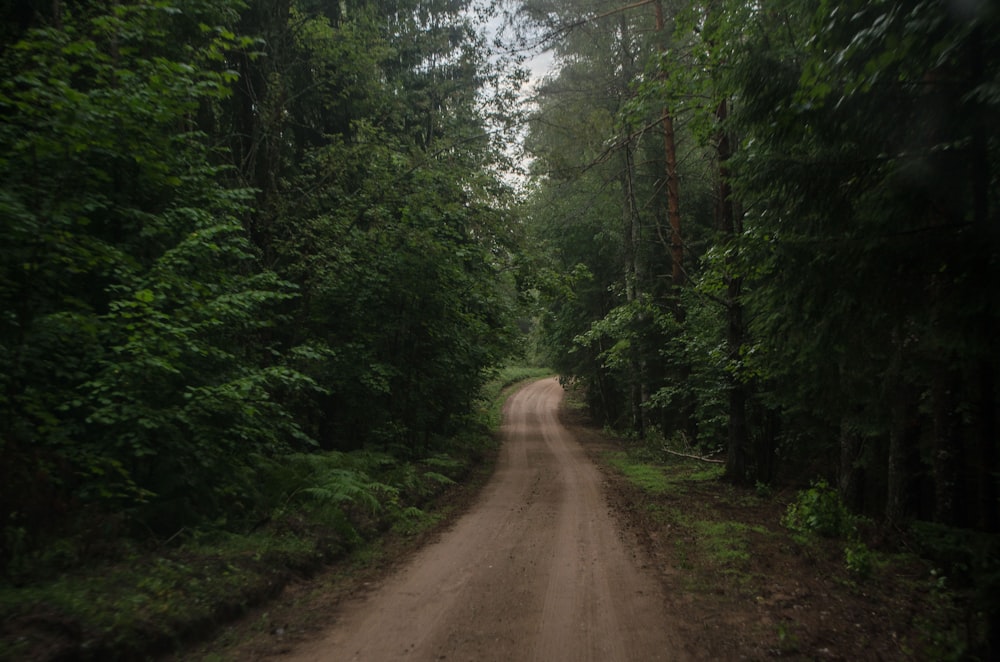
{"x": 306, "y": 510}
{"x": 952, "y": 574}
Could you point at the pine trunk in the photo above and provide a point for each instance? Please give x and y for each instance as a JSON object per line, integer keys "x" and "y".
{"x": 986, "y": 450}
{"x": 904, "y": 440}
{"x": 632, "y": 232}
{"x": 850, "y": 481}
{"x": 947, "y": 462}
{"x": 672, "y": 184}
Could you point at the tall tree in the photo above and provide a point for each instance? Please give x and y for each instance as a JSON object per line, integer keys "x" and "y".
{"x": 131, "y": 370}
{"x": 861, "y": 165}
{"x": 234, "y": 231}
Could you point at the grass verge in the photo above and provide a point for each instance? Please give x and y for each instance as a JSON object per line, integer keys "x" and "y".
{"x": 751, "y": 586}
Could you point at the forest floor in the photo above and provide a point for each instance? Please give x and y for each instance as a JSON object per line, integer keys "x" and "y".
{"x": 718, "y": 575}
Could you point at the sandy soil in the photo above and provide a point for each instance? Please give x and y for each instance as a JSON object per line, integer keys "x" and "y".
{"x": 537, "y": 569}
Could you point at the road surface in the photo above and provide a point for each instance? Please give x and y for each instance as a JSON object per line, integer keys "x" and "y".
{"x": 536, "y": 570}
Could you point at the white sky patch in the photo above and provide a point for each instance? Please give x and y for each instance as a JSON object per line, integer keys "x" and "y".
{"x": 530, "y": 55}
{"x": 540, "y": 66}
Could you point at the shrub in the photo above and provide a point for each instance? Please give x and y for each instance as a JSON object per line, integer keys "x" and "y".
{"x": 819, "y": 510}
{"x": 860, "y": 559}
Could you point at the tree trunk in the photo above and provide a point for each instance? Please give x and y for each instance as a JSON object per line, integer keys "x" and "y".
{"x": 673, "y": 187}
{"x": 632, "y": 232}
{"x": 850, "y": 477}
{"x": 985, "y": 442}
{"x": 730, "y": 226}
{"x": 736, "y": 457}
{"x": 738, "y": 433}
{"x": 764, "y": 424}
{"x": 633, "y": 271}
{"x": 947, "y": 459}
{"x": 258, "y": 111}
{"x": 904, "y": 440}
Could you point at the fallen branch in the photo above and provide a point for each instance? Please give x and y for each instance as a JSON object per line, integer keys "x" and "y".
{"x": 695, "y": 457}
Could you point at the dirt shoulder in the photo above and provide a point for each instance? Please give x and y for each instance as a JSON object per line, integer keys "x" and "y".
{"x": 307, "y": 607}
{"x": 742, "y": 586}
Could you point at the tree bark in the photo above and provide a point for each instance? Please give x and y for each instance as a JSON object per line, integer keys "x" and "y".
{"x": 947, "y": 460}
{"x": 633, "y": 289}
{"x": 633, "y": 270}
{"x": 672, "y": 184}
{"x": 986, "y": 444}
{"x": 904, "y": 440}
{"x": 850, "y": 474}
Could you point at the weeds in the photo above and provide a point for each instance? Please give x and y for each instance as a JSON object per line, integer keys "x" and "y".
{"x": 725, "y": 542}
{"x": 717, "y": 556}
{"x": 788, "y": 641}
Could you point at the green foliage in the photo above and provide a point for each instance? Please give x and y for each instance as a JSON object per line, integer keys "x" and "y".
{"x": 860, "y": 559}
{"x": 964, "y": 559}
{"x": 725, "y": 542}
{"x": 857, "y": 145}
{"x": 131, "y": 357}
{"x": 844, "y": 302}
{"x": 849, "y": 139}
{"x": 788, "y": 641}
{"x": 820, "y": 510}
{"x": 698, "y": 349}
{"x": 232, "y": 235}
{"x": 342, "y": 486}
{"x": 399, "y": 252}
{"x": 505, "y": 379}
{"x": 302, "y": 509}
{"x": 763, "y": 490}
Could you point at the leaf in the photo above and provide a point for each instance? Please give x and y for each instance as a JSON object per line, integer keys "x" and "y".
{"x": 145, "y": 296}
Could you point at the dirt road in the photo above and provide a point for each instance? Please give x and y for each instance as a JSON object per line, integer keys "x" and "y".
{"x": 536, "y": 570}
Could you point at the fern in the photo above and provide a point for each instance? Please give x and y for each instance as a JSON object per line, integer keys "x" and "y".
{"x": 346, "y": 486}
{"x": 442, "y": 461}
{"x": 440, "y": 479}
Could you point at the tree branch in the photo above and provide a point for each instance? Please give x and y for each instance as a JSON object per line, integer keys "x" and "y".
{"x": 552, "y": 34}
{"x": 694, "y": 457}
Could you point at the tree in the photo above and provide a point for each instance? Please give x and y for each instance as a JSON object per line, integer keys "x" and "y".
{"x": 864, "y": 170}
{"x": 234, "y": 232}
{"x": 384, "y": 206}
{"x": 131, "y": 371}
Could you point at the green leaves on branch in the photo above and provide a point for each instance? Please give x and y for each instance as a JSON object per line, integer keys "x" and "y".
{"x": 133, "y": 333}
{"x": 234, "y": 232}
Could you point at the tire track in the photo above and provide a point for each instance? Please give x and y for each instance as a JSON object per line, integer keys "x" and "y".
{"x": 536, "y": 570}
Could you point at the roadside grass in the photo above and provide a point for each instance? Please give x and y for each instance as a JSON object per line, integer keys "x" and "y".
{"x": 310, "y": 510}
{"x": 724, "y": 541}
{"x": 783, "y": 591}
{"x": 648, "y": 477}
{"x": 701, "y": 528}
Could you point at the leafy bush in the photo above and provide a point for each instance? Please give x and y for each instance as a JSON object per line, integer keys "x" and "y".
{"x": 819, "y": 510}
{"x": 860, "y": 559}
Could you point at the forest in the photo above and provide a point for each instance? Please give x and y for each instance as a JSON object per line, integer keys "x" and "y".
{"x": 260, "y": 255}
{"x": 779, "y": 233}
